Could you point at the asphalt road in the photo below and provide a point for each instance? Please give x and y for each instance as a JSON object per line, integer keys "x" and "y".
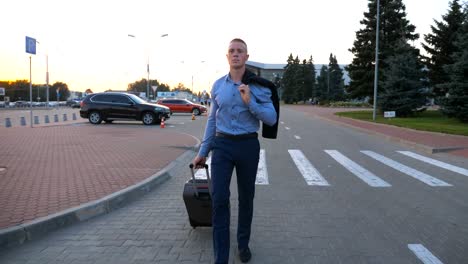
{"x": 333, "y": 195}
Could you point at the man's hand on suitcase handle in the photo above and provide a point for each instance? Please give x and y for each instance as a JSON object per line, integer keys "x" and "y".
{"x": 199, "y": 162}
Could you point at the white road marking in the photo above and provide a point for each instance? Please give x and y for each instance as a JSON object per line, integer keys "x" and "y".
{"x": 435, "y": 162}
{"x": 297, "y": 137}
{"x": 262, "y": 173}
{"x": 281, "y": 122}
{"x": 287, "y": 128}
{"x": 308, "y": 171}
{"x": 424, "y": 254}
{"x": 427, "y": 179}
{"x": 363, "y": 174}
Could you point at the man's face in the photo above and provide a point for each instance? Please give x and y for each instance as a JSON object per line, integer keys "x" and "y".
{"x": 237, "y": 55}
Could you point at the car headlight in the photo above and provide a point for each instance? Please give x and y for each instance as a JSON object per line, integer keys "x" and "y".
{"x": 161, "y": 109}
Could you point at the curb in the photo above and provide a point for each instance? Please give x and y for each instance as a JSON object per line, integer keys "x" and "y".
{"x": 33, "y": 230}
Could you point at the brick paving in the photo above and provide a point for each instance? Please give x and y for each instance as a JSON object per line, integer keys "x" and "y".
{"x": 49, "y": 169}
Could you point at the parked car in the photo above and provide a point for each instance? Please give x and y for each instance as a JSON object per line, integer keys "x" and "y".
{"x": 110, "y": 106}
{"x": 22, "y": 104}
{"x": 74, "y": 103}
{"x": 182, "y": 106}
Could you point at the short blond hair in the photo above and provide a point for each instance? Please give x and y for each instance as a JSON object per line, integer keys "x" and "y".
{"x": 240, "y": 41}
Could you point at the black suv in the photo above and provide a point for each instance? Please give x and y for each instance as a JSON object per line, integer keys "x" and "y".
{"x": 109, "y": 106}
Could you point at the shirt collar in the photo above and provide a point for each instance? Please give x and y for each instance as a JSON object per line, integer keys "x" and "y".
{"x": 228, "y": 79}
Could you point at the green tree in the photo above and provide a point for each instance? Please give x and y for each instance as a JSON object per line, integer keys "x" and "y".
{"x": 298, "y": 82}
{"x": 455, "y": 104}
{"x": 322, "y": 84}
{"x": 20, "y": 90}
{"x": 440, "y": 45}
{"x": 63, "y": 90}
{"x": 181, "y": 88}
{"x": 141, "y": 87}
{"x": 335, "y": 81}
{"x": 288, "y": 81}
{"x": 309, "y": 79}
{"x": 402, "y": 90}
{"x": 393, "y": 27}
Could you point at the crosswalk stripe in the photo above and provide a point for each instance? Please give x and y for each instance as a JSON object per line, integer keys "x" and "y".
{"x": 435, "y": 162}
{"x": 427, "y": 179}
{"x": 262, "y": 173}
{"x": 424, "y": 254}
{"x": 363, "y": 174}
{"x": 308, "y": 171}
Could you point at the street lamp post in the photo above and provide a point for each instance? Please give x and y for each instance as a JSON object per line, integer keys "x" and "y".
{"x": 192, "y": 74}
{"x": 376, "y": 75}
{"x": 47, "y": 79}
{"x": 148, "y": 68}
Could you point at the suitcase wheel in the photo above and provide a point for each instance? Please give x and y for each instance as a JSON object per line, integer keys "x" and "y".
{"x": 193, "y": 223}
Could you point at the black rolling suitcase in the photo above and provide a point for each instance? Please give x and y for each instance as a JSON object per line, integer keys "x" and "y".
{"x": 197, "y": 198}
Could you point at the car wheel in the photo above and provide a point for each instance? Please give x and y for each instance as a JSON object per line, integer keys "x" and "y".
{"x": 148, "y": 118}
{"x": 95, "y": 118}
{"x": 196, "y": 111}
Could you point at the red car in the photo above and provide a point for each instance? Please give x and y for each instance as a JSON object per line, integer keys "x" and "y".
{"x": 182, "y": 106}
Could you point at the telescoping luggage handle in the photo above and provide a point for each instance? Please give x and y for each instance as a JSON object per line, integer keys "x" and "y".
{"x": 207, "y": 177}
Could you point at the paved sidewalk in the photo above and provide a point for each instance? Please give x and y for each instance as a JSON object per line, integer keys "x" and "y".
{"x": 425, "y": 141}
{"x": 53, "y": 170}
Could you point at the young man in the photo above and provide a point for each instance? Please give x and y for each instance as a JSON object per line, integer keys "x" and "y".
{"x": 231, "y": 135}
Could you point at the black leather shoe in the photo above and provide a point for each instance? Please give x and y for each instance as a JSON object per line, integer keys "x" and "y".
{"x": 245, "y": 255}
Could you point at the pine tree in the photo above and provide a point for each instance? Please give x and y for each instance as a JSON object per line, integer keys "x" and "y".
{"x": 335, "y": 81}
{"x": 393, "y": 27}
{"x": 402, "y": 90}
{"x": 288, "y": 81}
{"x": 309, "y": 79}
{"x": 322, "y": 84}
{"x": 440, "y": 46}
{"x": 298, "y": 80}
{"x": 456, "y": 102}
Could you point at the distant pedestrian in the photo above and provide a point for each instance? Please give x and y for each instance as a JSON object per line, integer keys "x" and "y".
{"x": 231, "y": 135}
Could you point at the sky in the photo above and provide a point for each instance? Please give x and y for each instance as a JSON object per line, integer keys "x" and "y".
{"x": 86, "y": 43}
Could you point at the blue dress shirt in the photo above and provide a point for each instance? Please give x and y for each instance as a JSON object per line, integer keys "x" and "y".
{"x": 230, "y": 115}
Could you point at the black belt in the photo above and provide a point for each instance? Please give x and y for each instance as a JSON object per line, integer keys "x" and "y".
{"x": 242, "y": 136}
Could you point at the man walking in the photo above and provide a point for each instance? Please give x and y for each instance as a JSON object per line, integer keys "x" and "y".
{"x": 231, "y": 135}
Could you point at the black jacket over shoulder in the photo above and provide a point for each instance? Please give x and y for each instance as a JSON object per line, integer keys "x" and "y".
{"x": 248, "y": 78}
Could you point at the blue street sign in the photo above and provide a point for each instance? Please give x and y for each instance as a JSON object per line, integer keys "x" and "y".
{"x": 30, "y": 45}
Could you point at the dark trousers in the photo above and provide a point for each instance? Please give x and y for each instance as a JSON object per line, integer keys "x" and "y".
{"x": 243, "y": 154}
